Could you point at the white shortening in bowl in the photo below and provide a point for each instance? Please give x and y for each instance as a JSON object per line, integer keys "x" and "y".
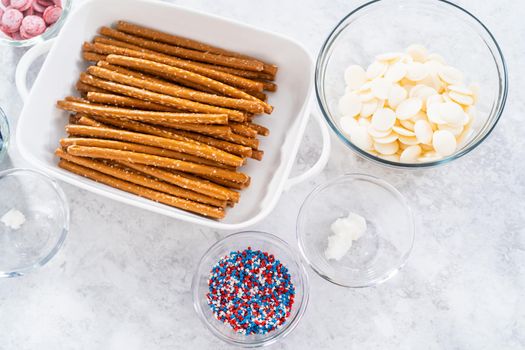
{"x": 41, "y": 124}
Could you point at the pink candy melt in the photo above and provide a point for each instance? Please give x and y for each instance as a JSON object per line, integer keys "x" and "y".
{"x": 11, "y": 20}
{"x": 52, "y": 14}
{"x": 32, "y": 26}
{"x": 25, "y": 19}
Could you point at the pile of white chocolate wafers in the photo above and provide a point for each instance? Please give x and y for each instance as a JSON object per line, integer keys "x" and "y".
{"x": 166, "y": 118}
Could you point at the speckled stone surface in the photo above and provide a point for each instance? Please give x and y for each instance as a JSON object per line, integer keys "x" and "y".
{"x": 122, "y": 280}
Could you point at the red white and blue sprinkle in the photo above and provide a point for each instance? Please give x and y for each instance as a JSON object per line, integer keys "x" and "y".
{"x": 251, "y": 291}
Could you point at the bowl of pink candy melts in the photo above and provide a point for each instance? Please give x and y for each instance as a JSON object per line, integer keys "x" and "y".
{"x": 26, "y": 22}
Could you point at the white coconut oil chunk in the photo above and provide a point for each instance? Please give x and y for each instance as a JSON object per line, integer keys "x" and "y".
{"x": 13, "y": 219}
{"x": 345, "y": 231}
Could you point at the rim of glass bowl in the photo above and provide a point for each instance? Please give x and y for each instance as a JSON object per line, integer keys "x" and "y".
{"x": 64, "y": 207}
{"x": 412, "y": 228}
{"x": 48, "y": 34}
{"x": 485, "y": 35}
{"x": 6, "y": 137}
{"x": 292, "y": 323}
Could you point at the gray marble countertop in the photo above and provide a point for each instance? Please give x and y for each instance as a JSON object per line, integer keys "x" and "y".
{"x": 122, "y": 279}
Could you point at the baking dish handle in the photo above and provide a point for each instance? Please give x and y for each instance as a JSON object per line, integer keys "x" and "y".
{"x": 321, "y": 162}
{"x": 25, "y": 63}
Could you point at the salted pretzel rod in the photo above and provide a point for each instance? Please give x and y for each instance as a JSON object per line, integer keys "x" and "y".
{"x": 260, "y": 95}
{"x": 125, "y": 101}
{"x": 228, "y": 184}
{"x": 269, "y": 86}
{"x": 76, "y": 99}
{"x": 165, "y": 69}
{"x": 179, "y": 135}
{"x": 92, "y": 56}
{"x": 83, "y": 120}
{"x": 184, "y": 53}
{"x": 120, "y": 172}
{"x": 198, "y": 208}
{"x": 117, "y": 112}
{"x": 166, "y": 100}
{"x": 176, "y": 90}
{"x": 240, "y": 140}
{"x": 257, "y": 154}
{"x": 163, "y": 162}
{"x": 104, "y": 48}
{"x": 227, "y": 146}
{"x": 85, "y": 88}
{"x": 202, "y": 151}
{"x": 243, "y": 130}
{"x": 133, "y": 147}
{"x": 142, "y": 75}
{"x": 156, "y": 35}
{"x": 261, "y": 130}
{"x": 186, "y": 181}
{"x": 247, "y": 74}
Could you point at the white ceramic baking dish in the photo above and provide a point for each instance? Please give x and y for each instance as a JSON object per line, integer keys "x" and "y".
{"x": 41, "y": 125}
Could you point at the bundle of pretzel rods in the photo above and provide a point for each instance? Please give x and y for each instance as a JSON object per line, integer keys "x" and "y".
{"x": 166, "y": 118}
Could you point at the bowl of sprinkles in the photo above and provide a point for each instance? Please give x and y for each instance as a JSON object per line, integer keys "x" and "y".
{"x": 250, "y": 289}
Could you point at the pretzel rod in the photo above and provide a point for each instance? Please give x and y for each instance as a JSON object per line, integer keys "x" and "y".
{"x": 73, "y": 119}
{"x": 76, "y": 99}
{"x": 84, "y": 120}
{"x": 107, "y": 111}
{"x": 186, "y": 181}
{"x": 155, "y": 67}
{"x": 175, "y": 90}
{"x": 269, "y": 86}
{"x": 240, "y": 140}
{"x": 124, "y": 101}
{"x": 257, "y": 154}
{"x": 260, "y": 95}
{"x": 211, "y": 130}
{"x": 265, "y": 74}
{"x": 198, "y": 208}
{"x": 145, "y": 76}
{"x": 184, "y": 53}
{"x": 160, "y": 98}
{"x": 165, "y": 59}
{"x": 243, "y": 130}
{"x": 228, "y": 184}
{"x": 85, "y": 88}
{"x": 261, "y": 130}
{"x": 114, "y": 42}
{"x": 120, "y": 48}
{"x": 230, "y": 147}
{"x": 156, "y": 35}
{"x": 202, "y": 151}
{"x": 120, "y": 172}
{"x": 147, "y": 159}
{"x": 142, "y": 75}
{"x": 247, "y": 74}
{"x": 126, "y": 146}
{"x": 92, "y": 56}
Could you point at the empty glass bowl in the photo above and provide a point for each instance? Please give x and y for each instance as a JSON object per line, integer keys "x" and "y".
{"x": 256, "y": 241}
{"x": 34, "y": 220}
{"x": 383, "y": 26}
{"x": 380, "y": 252}
{"x": 4, "y": 134}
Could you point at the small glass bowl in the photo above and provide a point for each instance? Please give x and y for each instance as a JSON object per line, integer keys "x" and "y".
{"x": 257, "y": 241}
{"x": 5, "y": 134}
{"x": 382, "y": 250}
{"x": 44, "y": 206}
{"x": 382, "y": 26}
{"x": 50, "y": 32}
